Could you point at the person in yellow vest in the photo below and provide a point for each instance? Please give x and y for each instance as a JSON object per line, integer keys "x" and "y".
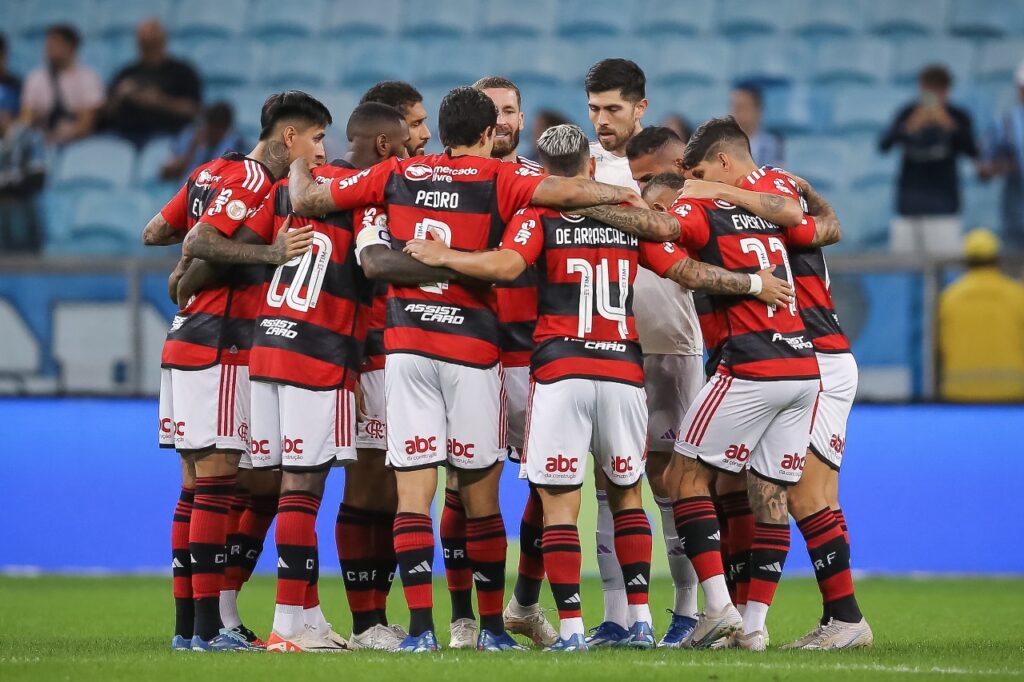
{"x": 981, "y": 328}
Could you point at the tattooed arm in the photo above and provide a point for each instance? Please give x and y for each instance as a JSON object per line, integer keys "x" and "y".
{"x": 693, "y": 274}
{"x": 175, "y": 277}
{"x": 208, "y": 243}
{"x": 569, "y": 194}
{"x": 768, "y": 500}
{"x": 308, "y": 197}
{"x": 199, "y": 275}
{"x": 828, "y": 229}
{"x": 643, "y": 222}
{"x": 159, "y": 232}
{"x": 783, "y": 211}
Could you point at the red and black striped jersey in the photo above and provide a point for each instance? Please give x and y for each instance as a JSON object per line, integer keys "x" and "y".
{"x": 763, "y": 342}
{"x": 315, "y": 310}
{"x": 517, "y": 308}
{"x": 810, "y": 273}
{"x": 713, "y": 329}
{"x": 373, "y": 349}
{"x": 216, "y": 325}
{"x": 585, "y": 272}
{"x": 469, "y": 200}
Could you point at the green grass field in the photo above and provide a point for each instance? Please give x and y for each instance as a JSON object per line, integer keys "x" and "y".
{"x": 69, "y": 628}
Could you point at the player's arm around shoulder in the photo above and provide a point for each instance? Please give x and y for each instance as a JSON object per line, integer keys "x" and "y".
{"x": 502, "y": 265}
{"x": 698, "y": 276}
{"x": 206, "y": 242}
{"x": 774, "y": 207}
{"x": 823, "y": 228}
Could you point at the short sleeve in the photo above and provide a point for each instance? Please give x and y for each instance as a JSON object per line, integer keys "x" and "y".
{"x": 524, "y": 234}
{"x": 236, "y": 198}
{"x": 175, "y": 211}
{"x": 803, "y": 234}
{"x": 371, "y": 229}
{"x": 516, "y": 185}
{"x": 262, "y": 220}
{"x": 659, "y": 257}
{"x": 365, "y": 188}
{"x": 92, "y": 92}
{"x": 694, "y": 228}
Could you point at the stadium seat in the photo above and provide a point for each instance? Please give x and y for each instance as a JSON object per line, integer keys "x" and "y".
{"x": 867, "y": 167}
{"x": 998, "y": 61}
{"x": 25, "y": 54}
{"x": 906, "y": 17}
{"x": 789, "y": 108}
{"x": 33, "y": 17}
{"x": 585, "y": 18}
{"x": 691, "y": 17}
{"x": 913, "y": 54}
{"x": 223, "y": 61}
{"x": 742, "y": 18}
{"x": 96, "y": 162}
{"x": 448, "y": 64}
{"x": 273, "y": 18}
{"x": 248, "y": 104}
{"x": 693, "y": 61}
{"x": 99, "y": 219}
{"x": 575, "y": 57}
{"x": 527, "y": 61}
{"x": 865, "y": 216}
{"x": 851, "y": 60}
{"x": 151, "y": 159}
{"x": 696, "y": 104}
{"x": 439, "y": 18}
{"x": 195, "y": 19}
{"x": 820, "y": 160}
{"x": 525, "y": 18}
{"x": 362, "y": 19}
{"x": 57, "y": 208}
{"x": 297, "y": 64}
{"x": 980, "y": 201}
{"x": 866, "y": 108}
{"x": 107, "y": 56}
{"x": 985, "y": 18}
{"x": 827, "y": 18}
{"x": 116, "y": 18}
{"x": 767, "y": 61}
{"x": 369, "y": 63}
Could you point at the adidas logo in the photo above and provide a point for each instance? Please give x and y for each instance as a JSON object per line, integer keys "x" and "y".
{"x": 177, "y": 564}
{"x": 193, "y": 559}
{"x": 669, "y": 435}
{"x": 281, "y": 563}
{"x": 603, "y": 549}
{"x": 422, "y": 567}
{"x": 574, "y": 599}
{"x": 637, "y": 582}
{"x": 774, "y": 567}
{"x": 717, "y": 535}
{"x": 481, "y": 578}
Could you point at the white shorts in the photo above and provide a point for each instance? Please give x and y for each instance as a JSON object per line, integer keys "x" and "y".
{"x": 838, "y": 389}
{"x": 570, "y": 418}
{"x": 517, "y": 394}
{"x": 371, "y": 429}
{"x": 765, "y": 426}
{"x": 205, "y": 409}
{"x": 441, "y": 412}
{"x": 297, "y": 428}
{"x": 672, "y": 382}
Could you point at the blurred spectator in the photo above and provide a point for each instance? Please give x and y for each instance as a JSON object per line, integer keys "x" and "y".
{"x": 1003, "y": 155}
{"x": 9, "y": 83}
{"x": 21, "y": 176}
{"x": 981, "y": 328}
{"x": 679, "y": 125}
{"x": 545, "y": 118}
{"x": 747, "y": 106}
{"x": 210, "y": 137}
{"x": 933, "y": 133}
{"x": 62, "y": 97}
{"x": 157, "y": 95}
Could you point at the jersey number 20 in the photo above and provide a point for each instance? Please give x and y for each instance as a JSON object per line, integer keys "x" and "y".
{"x": 308, "y": 275}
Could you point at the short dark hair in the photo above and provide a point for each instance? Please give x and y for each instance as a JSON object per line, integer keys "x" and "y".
{"x": 650, "y": 140}
{"x": 936, "y": 76}
{"x": 753, "y": 90}
{"x": 397, "y": 94}
{"x": 617, "y": 74}
{"x": 711, "y": 136}
{"x": 67, "y": 32}
{"x": 292, "y": 104}
{"x": 499, "y": 83}
{"x": 219, "y": 114}
{"x": 669, "y": 180}
{"x": 372, "y": 115}
{"x": 552, "y": 118}
{"x": 563, "y": 149}
{"x": 464, "y": 116}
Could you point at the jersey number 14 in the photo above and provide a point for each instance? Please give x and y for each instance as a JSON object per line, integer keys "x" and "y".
{"x": 596, "y": 293}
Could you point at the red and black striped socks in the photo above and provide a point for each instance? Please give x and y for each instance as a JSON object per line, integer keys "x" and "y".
{"x": 207, "y": 538}
{"x": 354, "y": 532}
{"x": 531, "y": 554}
{"x": 487, "y": 546}
{"x": 830, "y": 556}
{"x": 633, "y": 542}
{"x": 181, "y": 565}
{"x": 698, "y": 529}
{"x": 739, "y": 520}
{"x": 563, "y": 561}
{"x": 414, "y": 548}
{"x": 297, "y": 558}
{"x": 457, "y": 567}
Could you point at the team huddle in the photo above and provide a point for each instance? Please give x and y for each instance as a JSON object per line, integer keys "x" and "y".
{"x": 393, "y": 312}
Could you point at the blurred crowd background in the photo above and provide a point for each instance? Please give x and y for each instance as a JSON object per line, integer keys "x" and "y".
{"x": 909, "y": 116}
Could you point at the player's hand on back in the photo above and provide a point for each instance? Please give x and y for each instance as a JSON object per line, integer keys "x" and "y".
{"x": 774, "y": 290}
{"x": 428, "y": 251}
{"x": 291, "y": 243}
{"x": 700, "y": 189}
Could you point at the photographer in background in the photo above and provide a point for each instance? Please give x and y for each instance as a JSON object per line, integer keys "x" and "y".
{"x": 933, "y": 133}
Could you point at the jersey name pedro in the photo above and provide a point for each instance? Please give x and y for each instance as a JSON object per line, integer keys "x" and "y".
{"x": 216, "y": 325}
{"x": 585, "y": 269}
{"x": 315, "y": 308}
{"x": 467, "y": 200}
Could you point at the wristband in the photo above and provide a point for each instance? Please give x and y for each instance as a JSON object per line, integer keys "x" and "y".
{"x": 756, "y": 285}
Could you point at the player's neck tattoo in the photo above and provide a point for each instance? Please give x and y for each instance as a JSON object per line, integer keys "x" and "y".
{"x": 275, "y": 158}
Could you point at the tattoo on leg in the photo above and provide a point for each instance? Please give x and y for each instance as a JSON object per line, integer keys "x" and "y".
{"x": 768, "y": 500}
